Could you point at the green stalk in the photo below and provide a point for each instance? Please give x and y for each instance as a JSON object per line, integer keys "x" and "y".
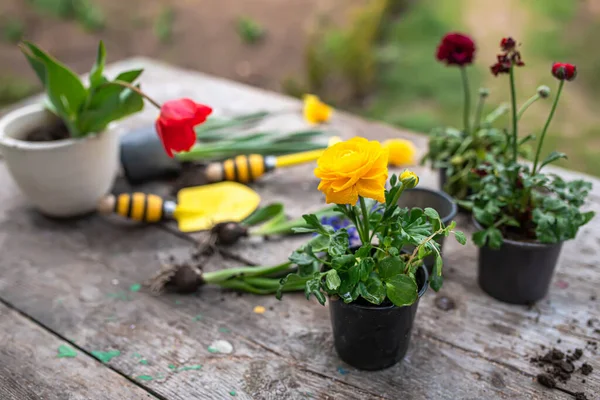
{"x": 364, "y": 239}
{"x": 526, "y": 105}
{"x": 467, "y": 105}
{"x": 513, "y": 97}
{"x": 217, "y": 277}
{"x": 539, "y": 148}
{"x": 246, "y": 286}
{"x": 227, "y": 149}
{"x": 478, "y": 112}
{"x": 287, "y": 227}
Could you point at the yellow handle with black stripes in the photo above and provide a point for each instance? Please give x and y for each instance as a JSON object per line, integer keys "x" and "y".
{"x": 140, "y": 207}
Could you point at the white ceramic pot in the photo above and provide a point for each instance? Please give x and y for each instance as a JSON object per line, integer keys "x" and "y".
{"x": 62, "y": 178}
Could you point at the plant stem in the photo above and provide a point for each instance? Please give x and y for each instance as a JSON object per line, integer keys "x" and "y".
{"x": 526, "y": 105}
{"x": 247, "y": 286}
{"x": 416, "y": 250}
{"x": 552, "y": 110}
{"x": 137, "y": 90}
{"x": 287, "y": 226}
{"x": 365, "y": 213}
{"x": 467, "y": 105}
{"x": 217, "y": 277}
{"x": 513, "y": 97}
{"x": 478, "y": 112}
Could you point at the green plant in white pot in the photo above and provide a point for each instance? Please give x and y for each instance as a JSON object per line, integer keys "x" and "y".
{"x": 64, "y": 154}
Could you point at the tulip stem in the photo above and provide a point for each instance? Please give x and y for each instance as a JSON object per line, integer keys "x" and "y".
{"x": 137, "y": 90}
{"x": 467, "y": 108}
{"x": 552, "y": 110}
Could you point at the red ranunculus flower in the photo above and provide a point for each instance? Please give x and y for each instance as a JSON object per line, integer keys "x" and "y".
{"x": 456, "y": 49}
{"x": 175, "y": 125}
{"x": 562, "y": 71}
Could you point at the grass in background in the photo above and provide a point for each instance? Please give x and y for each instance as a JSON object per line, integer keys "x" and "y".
{"x": 163, "y": 27}
{"x": 249, "y": 30}
{"x": 12, "y": 31}
{"x": 13, "y": 89}
{"x": 86, "y": 12}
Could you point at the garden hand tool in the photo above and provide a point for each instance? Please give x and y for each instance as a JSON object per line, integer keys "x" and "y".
{"x": 197, "y": 208}
{"x": 248, "y": 168}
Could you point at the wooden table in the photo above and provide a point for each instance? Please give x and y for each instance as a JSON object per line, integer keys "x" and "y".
{"x": 68, "y": 283}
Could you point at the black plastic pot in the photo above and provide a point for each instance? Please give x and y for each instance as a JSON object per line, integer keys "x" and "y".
{"x": 439, "y": 201}
{"x": 443, "y": 179}
{"x": 143, "y": 157}
{"x": 518, "y": 272}
{"x": 371, "y": 337}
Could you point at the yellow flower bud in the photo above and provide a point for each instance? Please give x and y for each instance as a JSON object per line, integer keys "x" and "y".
{"x": 409, "y": 178}
{"x": 402, "y": 152}
{"x": 315, "y": 111}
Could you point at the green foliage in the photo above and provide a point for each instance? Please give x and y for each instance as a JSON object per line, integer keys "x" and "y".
{"x": 86, "y": 12}
{"x": 12, "y": 30}
{"x": 374, "y": 270}
{"x": 249, "y": 30}
{"x": 510, "y": 201}
{"x": 13, "y": 89}
{"x": 84, "y": 110}
{"x": 163, "y": 27}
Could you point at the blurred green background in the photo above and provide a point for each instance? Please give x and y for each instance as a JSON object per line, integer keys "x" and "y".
{"x": 372, "y": 57}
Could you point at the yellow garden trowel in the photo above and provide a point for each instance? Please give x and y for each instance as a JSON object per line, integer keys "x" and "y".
{"x": 197, "y": 208}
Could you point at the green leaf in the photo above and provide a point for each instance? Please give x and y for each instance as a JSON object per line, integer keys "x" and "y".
{"x": 38, "y": 67}
{"x": 264, "y": 214}
{"x": 338, "y": 243}
{"x": 402, "y": 290}
{"x": 344, "y": 262}
{"x": 332, "y": 279}
{"x": 289, "y": 279}
{"x": 365, "y": 266}
{"x": 63, "y": 86}
{"x": 495, "y": 238}
{"x": 480, "y": 237}
{"x": 431, "y": 213}
{"x": 299, "y": 258}
{"x": 313, "y": 286}
{"x": 372, "y": 290}
{"x": 364, "y": 251}
{"x": 555, "y": 155}
{"x": 460, "y": 237}
{"x": 96, "y": 78}
{"x": 65, "y": 351}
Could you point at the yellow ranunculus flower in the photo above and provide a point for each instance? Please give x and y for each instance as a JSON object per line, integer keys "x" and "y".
{"x": 353, "y": 168}
{"x": 315, "y": 111}
{"x": 407, "y": 175}
{"x": 402, "y": 152}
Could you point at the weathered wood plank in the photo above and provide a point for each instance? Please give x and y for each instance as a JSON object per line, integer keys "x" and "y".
{"x": 30, "y": 368}
{"x": 67, "y": 284}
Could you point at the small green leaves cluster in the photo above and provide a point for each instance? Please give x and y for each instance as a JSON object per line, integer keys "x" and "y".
{"x": 379, "y": 268}
{"x": 510, "y": 200}
{"x": 84, "y": 110}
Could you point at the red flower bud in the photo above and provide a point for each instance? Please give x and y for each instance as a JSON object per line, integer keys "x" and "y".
{"x": 175, "y": 125}
{"x": 508, "y": 44}
{"x": 562, "y": 71}
{"x": 456, "y": 49}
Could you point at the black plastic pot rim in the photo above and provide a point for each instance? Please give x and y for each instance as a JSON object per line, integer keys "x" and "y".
{"x": 531, "y": 245}
{"x": 445, "y": 218}
{"x": 375, "y": 307}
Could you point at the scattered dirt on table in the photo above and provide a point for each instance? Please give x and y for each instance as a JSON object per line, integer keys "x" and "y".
{"x": 560, "y": 367}
{"x": 49, "y": 132}
{"x": 444, "y": 303}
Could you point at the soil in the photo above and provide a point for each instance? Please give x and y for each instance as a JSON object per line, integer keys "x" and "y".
{"x": 560, "y": 367}
{"x": 203, "y": 36}
{"x": 48, "y": 133}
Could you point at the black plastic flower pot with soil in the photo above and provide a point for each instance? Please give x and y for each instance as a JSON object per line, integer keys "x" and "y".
{"x": 439, "y": 201}
{"x": 518, "y": 272}
{"x": 143, "y": 157}
{"x": 374, "y": 337}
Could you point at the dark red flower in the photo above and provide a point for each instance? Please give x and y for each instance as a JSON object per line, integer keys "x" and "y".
{"x": 502, "y": 66}
{"x": 562, "y": 71}
{"x": 456, "y": 49}
{"x": 175, "y": 125}
{"x": 507, "y": 44}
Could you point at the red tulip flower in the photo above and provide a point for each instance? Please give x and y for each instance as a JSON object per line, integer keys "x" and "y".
{"x": 562, "y": 71}
{"x": 456, "y": 49}
{"x": 175, "y": 125}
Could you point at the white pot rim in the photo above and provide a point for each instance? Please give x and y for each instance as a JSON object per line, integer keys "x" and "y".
{"x": 23, "y": 112}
